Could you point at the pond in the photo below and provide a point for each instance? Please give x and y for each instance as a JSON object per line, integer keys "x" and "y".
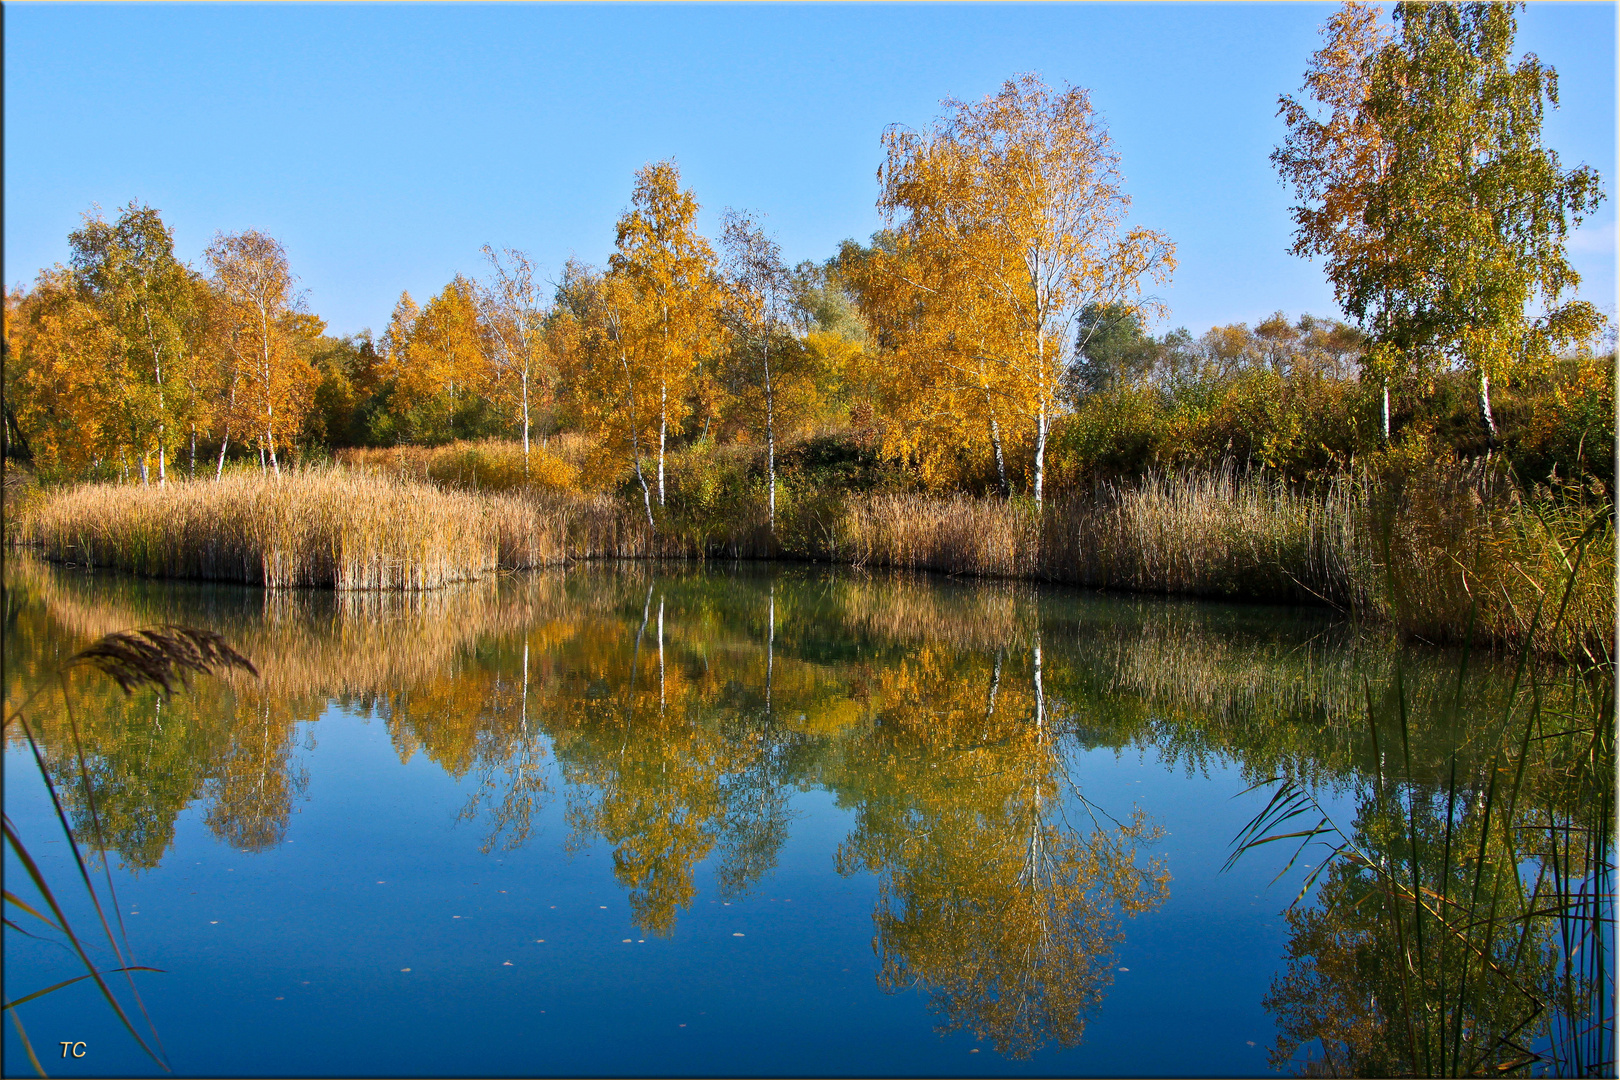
{"x": 715, "y": 820}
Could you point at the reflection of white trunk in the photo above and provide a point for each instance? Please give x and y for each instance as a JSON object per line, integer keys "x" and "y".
{"x": 770, "y": 649}
{"x": 524, "y": 716}
{"x": 1040, "y": 691}
{"x": 990, "y": 702}
{"x": 660, "y": 654}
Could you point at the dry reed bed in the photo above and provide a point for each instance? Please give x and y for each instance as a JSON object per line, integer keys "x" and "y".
{"x": 1192, "y": 534}
{"x": 1430, "y": 553}
{"x": 324, "y": 527}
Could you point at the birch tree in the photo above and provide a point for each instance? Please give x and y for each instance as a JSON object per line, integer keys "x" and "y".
{"x": 1476, "y": 208}
{"x": 515, "y": 317}
{"x": 274, "y": 383}
{"x": 1019, "y": 202}
{"x": 127, "y": 270}
{"x": 761, "y": 291}
{"x": 1424, "y": 185}
{"x": 659, "y": 254}
{"x": 598, "y": 326}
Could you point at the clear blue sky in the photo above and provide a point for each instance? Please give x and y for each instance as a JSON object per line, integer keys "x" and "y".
{"x": 384, "y": 145}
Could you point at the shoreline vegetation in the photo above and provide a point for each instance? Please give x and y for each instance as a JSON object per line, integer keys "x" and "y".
{"x": 1436, "y": 551}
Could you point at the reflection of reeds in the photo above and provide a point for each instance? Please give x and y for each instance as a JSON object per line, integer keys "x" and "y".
{"x": 1465, "y": 921}
{"x": 312, "y": 642}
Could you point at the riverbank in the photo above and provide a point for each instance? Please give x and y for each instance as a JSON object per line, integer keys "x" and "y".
{"x": 1429, "y": 552}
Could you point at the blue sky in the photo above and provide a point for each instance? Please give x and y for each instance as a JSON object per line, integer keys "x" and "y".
{"x": 385, "y": 144}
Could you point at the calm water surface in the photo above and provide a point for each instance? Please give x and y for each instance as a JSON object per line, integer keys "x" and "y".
{"x": 695, "y": 821}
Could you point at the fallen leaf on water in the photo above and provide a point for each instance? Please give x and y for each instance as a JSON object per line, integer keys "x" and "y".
{"x": 507, "y": 963}
{"x": 281, "y": 999}
{"x": 213, "y": 922}
{"x": 404, "y": 969}
{"x": 736, "y": 935}
{"x": 539, "y": 941}
{"x": 1124, "y": 969}
{"x": 626, "y": 941}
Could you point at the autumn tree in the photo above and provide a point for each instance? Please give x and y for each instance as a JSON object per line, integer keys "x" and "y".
{"x": 943, "y": 387}
{"x": 439, "y": 369}
{"x": 1334, "y": 156}
{"x": 1013, "y": 209}
{"x": 127, "y": 271}
{"x": 612, "y": 385}
{"x": 672, "y": 271}
{"x": 271, "y": 382}
{"x": 63, "y": 374}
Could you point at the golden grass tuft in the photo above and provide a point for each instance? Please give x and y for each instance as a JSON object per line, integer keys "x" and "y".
{"x": 490, "y": 465}
{"x": 320, "y": 527}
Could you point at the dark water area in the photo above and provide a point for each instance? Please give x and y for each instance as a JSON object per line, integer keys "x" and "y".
{"x": 722, "y": 820}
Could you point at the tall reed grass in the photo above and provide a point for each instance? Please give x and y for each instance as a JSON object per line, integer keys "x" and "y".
{"x": 327, "y": 528}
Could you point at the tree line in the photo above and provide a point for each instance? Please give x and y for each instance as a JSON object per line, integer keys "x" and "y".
{"x": 994, "y": 330}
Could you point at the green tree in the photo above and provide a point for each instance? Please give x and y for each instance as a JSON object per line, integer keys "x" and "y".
{"x": 1442, "y": 216}
{"x": 127, "y": 271}
{"x": 1112, "y": 349}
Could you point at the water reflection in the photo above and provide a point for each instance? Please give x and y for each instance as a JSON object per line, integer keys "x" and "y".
{"x": 676, "y": 713}
{"x": 990, "y": 895}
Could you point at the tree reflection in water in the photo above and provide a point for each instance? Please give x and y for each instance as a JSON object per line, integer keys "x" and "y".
{"x": 677, "y": 713}
{"x": 989, "y": 896}
{"x": 1463, "y": 923}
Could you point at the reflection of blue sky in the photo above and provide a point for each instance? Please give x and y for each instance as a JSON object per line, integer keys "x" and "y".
{"x": 385, "y": 145}
{"x": 796, "y": 991}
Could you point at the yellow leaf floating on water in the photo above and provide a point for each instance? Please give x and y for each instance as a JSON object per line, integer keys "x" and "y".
{"x": 506, "y": 963}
